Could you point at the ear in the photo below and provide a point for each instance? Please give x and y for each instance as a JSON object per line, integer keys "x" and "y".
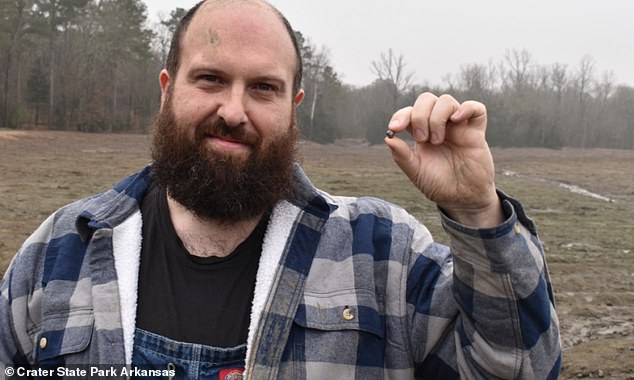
{"x": 164, "y": 81}
{"x": 299, "y": 97}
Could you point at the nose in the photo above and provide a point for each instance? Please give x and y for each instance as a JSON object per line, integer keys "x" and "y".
{"x": 232, "y": 109}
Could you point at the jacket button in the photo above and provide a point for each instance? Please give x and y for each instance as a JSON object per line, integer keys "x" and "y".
{"x": 43, "y": 342}
{"x": 348, "y": 314}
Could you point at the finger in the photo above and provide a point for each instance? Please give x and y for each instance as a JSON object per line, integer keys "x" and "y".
{"x": 472, "y": 111}
{"x": 444, "y": 108}
{"x": 400, "y": 120}
{"x": 404, "y": 156}
{"x": 420, "y": 116}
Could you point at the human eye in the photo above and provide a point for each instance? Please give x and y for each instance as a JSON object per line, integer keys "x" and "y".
{"x": 264, "y": 87}
{"x": 210, "y": 78}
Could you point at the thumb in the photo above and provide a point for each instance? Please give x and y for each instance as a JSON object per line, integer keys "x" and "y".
{"x": 403, "y": 156}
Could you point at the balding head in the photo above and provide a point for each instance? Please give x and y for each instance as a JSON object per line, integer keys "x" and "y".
{"x": 174, "y": 56}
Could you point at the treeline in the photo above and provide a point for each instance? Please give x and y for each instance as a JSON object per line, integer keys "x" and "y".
{"x": 92, "y": 65}
{"x": 83, "y": 65}
{"x": 529, "y": 104}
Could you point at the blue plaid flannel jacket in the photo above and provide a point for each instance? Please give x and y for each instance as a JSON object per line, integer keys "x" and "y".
{"x": 350, "y": 288}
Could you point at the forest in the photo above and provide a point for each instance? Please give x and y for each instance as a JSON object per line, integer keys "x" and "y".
{"x": 92, "y": 66}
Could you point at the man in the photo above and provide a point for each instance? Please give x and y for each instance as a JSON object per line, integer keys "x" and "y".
{"x": 222, "y": 257}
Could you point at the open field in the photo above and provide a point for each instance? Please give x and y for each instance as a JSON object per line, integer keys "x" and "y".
{"x": 589, "y": 238}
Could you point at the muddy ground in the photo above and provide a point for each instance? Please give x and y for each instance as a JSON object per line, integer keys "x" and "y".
{"x": 589, "y": 236}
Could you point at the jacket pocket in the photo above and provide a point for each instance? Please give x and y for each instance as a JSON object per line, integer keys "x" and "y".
{"x": 340, "y": 330}
{"x": 354, "y": 310}
{"x": 64, "y": 334}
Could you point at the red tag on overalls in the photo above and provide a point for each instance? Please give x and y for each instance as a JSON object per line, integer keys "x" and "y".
{"x": 231, "y": 374}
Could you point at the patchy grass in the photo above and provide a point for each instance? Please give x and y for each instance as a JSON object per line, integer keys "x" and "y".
{"x": 589, "y": 243}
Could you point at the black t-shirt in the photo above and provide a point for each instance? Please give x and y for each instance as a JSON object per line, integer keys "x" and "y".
{"x": 188, "y": 298}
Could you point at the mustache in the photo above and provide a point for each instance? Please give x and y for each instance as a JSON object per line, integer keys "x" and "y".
{"x": 219, "y": 128}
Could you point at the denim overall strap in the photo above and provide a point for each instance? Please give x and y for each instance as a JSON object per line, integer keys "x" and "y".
{"x": 189, "y": 360}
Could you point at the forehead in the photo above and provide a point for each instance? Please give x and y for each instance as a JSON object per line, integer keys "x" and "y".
{"x": 238, "y": 27}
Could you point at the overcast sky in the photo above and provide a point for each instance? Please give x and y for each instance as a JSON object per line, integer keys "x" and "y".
{"x": 437, "y": 37}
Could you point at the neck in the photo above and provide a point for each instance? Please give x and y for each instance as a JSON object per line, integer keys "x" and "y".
{"x": 208, "y": 237}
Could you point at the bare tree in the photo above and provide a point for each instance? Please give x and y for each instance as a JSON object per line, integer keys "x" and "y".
{"x": 557, "y": 82}
{"x": 558, "y": 79}
{"x": 602, "y": 91}
{"x": 392, "y": 68}
{"x": 516, "y": 71}
{"x": 316, "y": 69}
{"x": 477, "y": 80}
{"x": 605, "y": 87}
{"x": 316, "y": 64}
{"x": 583, "y": 82}
{"x": 321, "y": 84}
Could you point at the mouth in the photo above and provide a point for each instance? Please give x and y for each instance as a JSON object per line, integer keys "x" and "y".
{"x": 226, "y": 143}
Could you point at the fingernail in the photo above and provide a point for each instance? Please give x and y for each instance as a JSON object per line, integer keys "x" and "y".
{"x": 456, "y": 115}
{"x": 435, "y": 138}
{"x": 419, "y": 135}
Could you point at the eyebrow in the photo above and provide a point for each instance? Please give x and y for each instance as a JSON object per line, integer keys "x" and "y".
{"x": 200, "y": 69}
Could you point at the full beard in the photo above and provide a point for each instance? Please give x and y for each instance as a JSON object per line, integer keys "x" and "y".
{"x": 216, "y": 186}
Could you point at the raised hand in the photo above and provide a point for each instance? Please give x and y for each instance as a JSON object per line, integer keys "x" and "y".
{"x": 450, "y": 162}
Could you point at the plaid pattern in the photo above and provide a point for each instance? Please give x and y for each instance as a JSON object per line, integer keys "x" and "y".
{"x": 361, "y": 292}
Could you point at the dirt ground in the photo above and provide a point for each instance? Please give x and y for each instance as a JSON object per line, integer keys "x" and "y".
{"x": 582, "y": 200}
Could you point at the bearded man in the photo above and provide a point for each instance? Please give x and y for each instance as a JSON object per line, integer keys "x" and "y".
{"x": 222, "y": 260}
